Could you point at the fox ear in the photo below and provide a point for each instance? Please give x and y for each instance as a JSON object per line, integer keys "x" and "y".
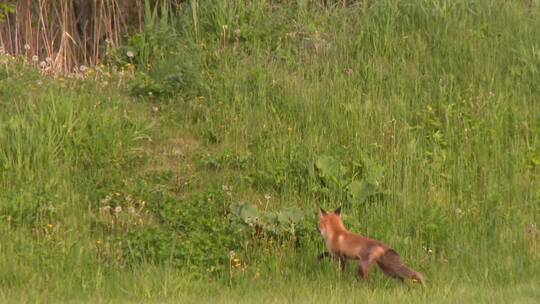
{"x": 322, "y": 212}
{"x": 338, "y": 211}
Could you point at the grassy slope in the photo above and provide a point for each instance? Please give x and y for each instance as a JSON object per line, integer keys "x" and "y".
{"x": 438, "y": 100}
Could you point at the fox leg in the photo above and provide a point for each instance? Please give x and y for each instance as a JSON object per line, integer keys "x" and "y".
{"x": 323, "y": 255}
{"x": 364, "y": 266}
{"x": 342, "y": 262}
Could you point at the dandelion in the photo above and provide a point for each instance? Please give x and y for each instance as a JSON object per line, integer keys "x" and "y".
{"x": 130, "y": 54}
{"x": 225, "y": 27}
{"x": 27, "y": 46}
{"x": 35, "y": 58}
{"x": 118, "y": 209}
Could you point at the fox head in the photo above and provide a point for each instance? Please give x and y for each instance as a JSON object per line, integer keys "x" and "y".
{"x": 329, "y": 222}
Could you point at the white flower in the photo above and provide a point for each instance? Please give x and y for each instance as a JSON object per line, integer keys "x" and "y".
{"x": 82, "y": 68}
{"x": 130, "y": 54}
{"x": 267, "y": 197}
{"x": 27, "y": 46}
{"x": 35, "y": 58}
{"x": 105, "y": 208}
{"x": 118, "y": 209}
{"x": 106, "y": 200}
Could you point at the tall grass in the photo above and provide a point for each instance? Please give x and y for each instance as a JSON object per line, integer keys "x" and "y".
{"x": 432, "y": 104}
{"x": 68, "y": 34}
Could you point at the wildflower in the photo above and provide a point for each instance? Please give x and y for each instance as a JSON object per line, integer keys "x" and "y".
{"x": 105, "y": 208}
{"x": 106, "y": 200}
{"x": 27, "y": 46}
{"x": 49, "y": 226}
{"x": 267, "y": 197}
{"x": 35, "y": 58}
{"x": 99, "y": 242}
{"x": 118, "y": 209}
{"x": 83, "y": 68}
{"x": 130, "y": 54}
{"x": 289, "y": 129}
{"x": 225, "y": 27}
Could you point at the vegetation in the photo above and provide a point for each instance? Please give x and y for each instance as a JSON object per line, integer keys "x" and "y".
{"x": 191, "y": 167}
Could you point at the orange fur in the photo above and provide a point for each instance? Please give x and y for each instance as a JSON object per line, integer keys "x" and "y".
{"x": 343, "y": 245}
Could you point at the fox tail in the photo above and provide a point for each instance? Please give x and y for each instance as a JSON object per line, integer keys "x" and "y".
{"x": 391, "y": 265}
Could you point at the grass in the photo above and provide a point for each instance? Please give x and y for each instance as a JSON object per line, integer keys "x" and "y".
{"x": 433, "y": 104}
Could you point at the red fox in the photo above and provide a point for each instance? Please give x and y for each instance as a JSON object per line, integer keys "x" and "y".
{"x": 343, "y": 244}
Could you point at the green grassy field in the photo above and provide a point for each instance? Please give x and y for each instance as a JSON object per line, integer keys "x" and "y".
{"x": 420, "y": 118}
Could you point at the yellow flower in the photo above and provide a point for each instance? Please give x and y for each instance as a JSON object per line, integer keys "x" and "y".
{"x": 49, "y": 226}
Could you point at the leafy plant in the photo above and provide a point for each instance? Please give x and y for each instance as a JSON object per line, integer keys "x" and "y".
{"x": 359, "y": 181}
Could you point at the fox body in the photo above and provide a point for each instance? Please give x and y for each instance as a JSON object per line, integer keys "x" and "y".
{"x": 343, "y": 245}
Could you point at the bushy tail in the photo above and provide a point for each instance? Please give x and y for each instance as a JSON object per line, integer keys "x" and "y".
{"x": 391, "y": 265}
